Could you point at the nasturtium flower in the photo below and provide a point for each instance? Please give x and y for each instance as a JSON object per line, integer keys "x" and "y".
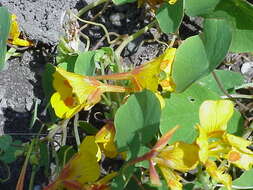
{"x": 75, "y": 92}
{"x": 82, "y": 169}
{"x": 167, "y": 83}
{"x": 149, "y": 75}
{"x": 215, "y": 142}
{"x": 170, "y": 159}
{"x": 14, "y": 35}
{"x": 105, "y": 140}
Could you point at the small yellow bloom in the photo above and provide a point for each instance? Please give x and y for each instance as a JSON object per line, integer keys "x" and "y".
{"x": 148, "y": 75}
{"x": 169, "y": 159}
{"x": 105, "y": 140}
{"x": 179, "y": 156}
{"x": 83, "y": 168}
{"x": 166, "y": 66}
{"x": 215, "y": 142}
{"x": 75, "y": 92}
{"x": 15, "y": 34}
{"x": 218, "y": 174}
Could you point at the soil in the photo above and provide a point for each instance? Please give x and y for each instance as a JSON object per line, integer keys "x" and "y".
{"x": 40, "y": 20}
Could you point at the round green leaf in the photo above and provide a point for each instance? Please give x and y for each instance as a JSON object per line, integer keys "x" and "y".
{"x": 199, "y": 55}
{"x": 137, "y": 121}
{"x": 170, "y": 16}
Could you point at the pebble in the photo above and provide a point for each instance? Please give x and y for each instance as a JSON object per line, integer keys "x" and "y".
{"x": 247, "y": 69}
{"x": 116, "y": 18}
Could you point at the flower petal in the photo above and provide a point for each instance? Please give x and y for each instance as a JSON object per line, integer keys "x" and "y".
{"x": 154, "y": 177}
{"x": 82, "y": 168}
{"x": 172, "y": 178}
{"x": 61, "y": 109}
{"x": 105, "y": 140}
{"x": 214, "y": 115}
{"x": 179, "y": 156}
{"x": 202, "y": 142}
{"x": 166, "y": 65}
{"x": 15, "y": 33}
{"x": 239, "y": 155}
{"x": 147, "y": 75}
{"x": 218, "y": 175}
{"x": 238, "y": 143}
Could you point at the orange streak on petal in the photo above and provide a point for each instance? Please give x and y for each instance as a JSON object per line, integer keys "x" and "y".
{"x": 69, "y": 101}
{"x": 234, "y": 156}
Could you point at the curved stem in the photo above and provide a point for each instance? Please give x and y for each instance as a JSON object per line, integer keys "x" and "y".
{"x": 20, "y": 184}
{"x": 96, "y": 24}
{"x": 87, "y": 40}
{"x": 133, "y": 36}
{"x": 32, "y": 178}
{"x": 225, "y": 92}
{"x": 90, "y": 6}
{"x": 64, "y": 132}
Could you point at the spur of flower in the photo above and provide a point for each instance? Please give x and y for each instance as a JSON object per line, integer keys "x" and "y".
{"x": 14, "y": 35}
{"x": 149, "y": 75}
{"x": 75, "y": 92}
{"x": 216, "y": 143}
{"x": 170, "y": 159}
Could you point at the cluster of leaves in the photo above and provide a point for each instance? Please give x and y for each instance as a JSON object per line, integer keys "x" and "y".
{"x": 143, "y": 113}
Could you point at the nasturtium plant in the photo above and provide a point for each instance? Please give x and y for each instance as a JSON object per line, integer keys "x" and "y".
{"x": 180, "y": 119}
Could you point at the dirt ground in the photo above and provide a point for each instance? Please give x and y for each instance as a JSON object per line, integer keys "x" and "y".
{"x": 20, "y": 83}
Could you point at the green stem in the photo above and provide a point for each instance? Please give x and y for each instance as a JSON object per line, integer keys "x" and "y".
{"x": 20, "y": 184}
{"x": 90, "y": 6}
{"x": 216, "y": 78}
{"x": 108, "y": 102}
{"x": 132, "y": 37}
{"x": 240, "y": 96}
{"x": 65, "y": 155}
{"x": 64, "y": 132}
{"x": 96, "y": 24}
{"x": 78, "y": 142}
{"x": 32, "y": 178}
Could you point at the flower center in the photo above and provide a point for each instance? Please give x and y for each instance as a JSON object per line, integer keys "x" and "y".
{"x": 234, "y": 156}
{"x": 69, "y": 101}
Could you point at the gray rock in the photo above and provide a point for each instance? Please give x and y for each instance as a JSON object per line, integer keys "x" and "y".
{"x": 247, "y": 69}
{"x": 40, "y": 19}
{"x": 116, "y": 18}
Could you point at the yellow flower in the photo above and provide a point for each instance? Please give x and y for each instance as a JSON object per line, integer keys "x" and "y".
{"x": 83, "y": 168}
{"x": 105, "y": 140}
{"x": 166, "y": 66}
{"x": 75, "y": 92}
{"x": 15, "y": 34}
{"x": 148, "y": 75}
{"x": 215, "y": 142}
{"x": 178, "y": 156}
